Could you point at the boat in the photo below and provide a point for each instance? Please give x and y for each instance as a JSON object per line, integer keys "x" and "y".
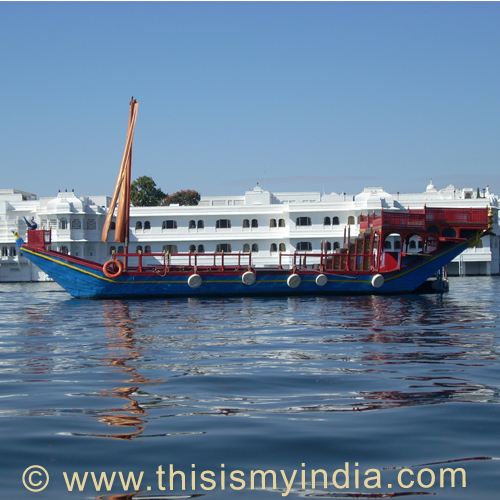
{"x": 363, "y": 265}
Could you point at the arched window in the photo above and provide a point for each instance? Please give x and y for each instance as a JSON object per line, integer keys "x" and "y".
{"x": 138, "y": 249}
{"x": 201, "y": 224}
{"x": 170, "y": 248}
{"x": 223, "y": 224}
{"x": 77, "y": 224}
{"x": 350, "y": 220}
{"x": 336, "y": 245}
{"x": 147, "y": 249}
{"x": 13, "y": 251}
{"x": 112, "y": 250}
{"x": 246, "y": 248}
{"x": 387, "y": 245}
{"x": 282, "y": 223}
{"x": 304, "y": 246}
{"x": 397, "y": 245}
{"x": 274, "y": 247}
{"x": 282, "y": 247}
{"x": 328, "y": 247}
{"x": 201, "y": 249}
{"x": 335, "y": 221}
{"x": 223, "y": 247}
{"x": 255, "y": 223}
{"x": 303, "y": 221}
{"x": 121, "y": 249}
{"x": 246, "y": 223}
{"x": 413, "y": 245}
{"x": 63, "y": 224}
{"x": 192, "y": 224}
{"x": 255, "y": 247}
{"x": 147, "y": 225}
{"x": 192, "y": 248}
{"x": 5, "y": 252}
{"x": 449, "y": 232}
{"x": 272, "y": 223}
{"x": 169, "y": 224}
{"x": 138, "y": 225}
{"x": 112, "y": 226}
{"x": 326, "y": 221}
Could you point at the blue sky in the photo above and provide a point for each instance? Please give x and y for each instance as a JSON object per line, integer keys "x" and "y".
{"x": 296, "y": 96}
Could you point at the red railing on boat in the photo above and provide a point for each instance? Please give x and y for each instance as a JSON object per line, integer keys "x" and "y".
{"x": 420, "y": 219}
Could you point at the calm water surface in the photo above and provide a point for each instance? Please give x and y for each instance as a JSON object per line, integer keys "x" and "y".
{"x": 288, "y": 384}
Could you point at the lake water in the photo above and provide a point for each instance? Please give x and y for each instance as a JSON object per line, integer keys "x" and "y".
{"x": 377, "y": 392}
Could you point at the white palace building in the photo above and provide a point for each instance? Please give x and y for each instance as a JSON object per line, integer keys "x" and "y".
{"x": 259, "y": 221}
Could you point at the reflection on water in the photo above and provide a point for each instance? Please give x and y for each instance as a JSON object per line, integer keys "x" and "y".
{"x": 214, "y": 374}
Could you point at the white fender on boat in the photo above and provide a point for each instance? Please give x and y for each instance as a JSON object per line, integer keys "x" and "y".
{"x": 321, "y": 280}
{"x": 377, "y": 281}
{"x": 194, "y": 281}
{"x": 293, "y": 281}
{"x": 248, "y": 278}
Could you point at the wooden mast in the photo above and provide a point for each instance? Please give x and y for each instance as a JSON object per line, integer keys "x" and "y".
{"x": 122, "y": 188}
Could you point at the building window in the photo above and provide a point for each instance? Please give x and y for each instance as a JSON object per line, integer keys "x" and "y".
{"x": 255, "y": 247}
{"x": 282, "y": 223}
{"x": 138, "y": 249}
{"x": 138, "y": 225}
{"x": 246, "y": 223}
{"x": 223, "y": 224}
{"x": 112, "y": 226}
{"x": 63, "y": 224}
{"x": 282, "y": 247}
{"x": 13, "y": 251}
{"x": 335, "y": 221}
{"x": 350, "y": 220}
{"x": 76, "y": 224}
{"x": 246, "y": 248}
{"x": 192, "y": 248}
{"x": 147, "y": 249}
{"x": 272, "y": 223}
{"x": 121, "y": 249}
{"x": 304, "y": 246}
{"x": 303, "y": 221}
{"x": 64, "y": 250}
{"x": 201, "y": 224}
{"x": 192, "y": 224}
{"x": 169, "y": 224}
{"x": 328, "y": 247}
{"x": 52, "y": 223}
{"x": 223, "y": 247}
{"x": 201, "y": 248}
{"x": 91, "y": 225}
{"x": 5, "y": 252}
{"x": 413, "y": 244}
{"x": 326, "y": 221}
{"x": 112, "y": 250}
{"x": 255, "y": 223}
{"x": 336, "y": 245}
{"x": 170, "y": 248}
{"x": 387, "y": 245}
{"x": 397, "y": 245}
{"x": 147, "y": 225}
{"x": 274, "y": 247}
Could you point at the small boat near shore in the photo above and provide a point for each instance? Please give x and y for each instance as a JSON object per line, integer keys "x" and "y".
{"x": 364, "y": 265}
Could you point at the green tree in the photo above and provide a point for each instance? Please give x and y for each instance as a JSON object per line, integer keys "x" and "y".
{"x": 144, "y": 193}
{"x": 184, "y": 197}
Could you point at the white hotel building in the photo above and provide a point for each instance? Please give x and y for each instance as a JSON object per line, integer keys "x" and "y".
{"x": 259, "y": 221}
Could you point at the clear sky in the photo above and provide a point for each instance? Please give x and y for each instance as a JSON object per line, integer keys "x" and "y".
{"x": 296, "y": 96}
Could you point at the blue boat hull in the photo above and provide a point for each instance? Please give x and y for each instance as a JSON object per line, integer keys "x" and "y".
{"x": 83, "y": 279}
